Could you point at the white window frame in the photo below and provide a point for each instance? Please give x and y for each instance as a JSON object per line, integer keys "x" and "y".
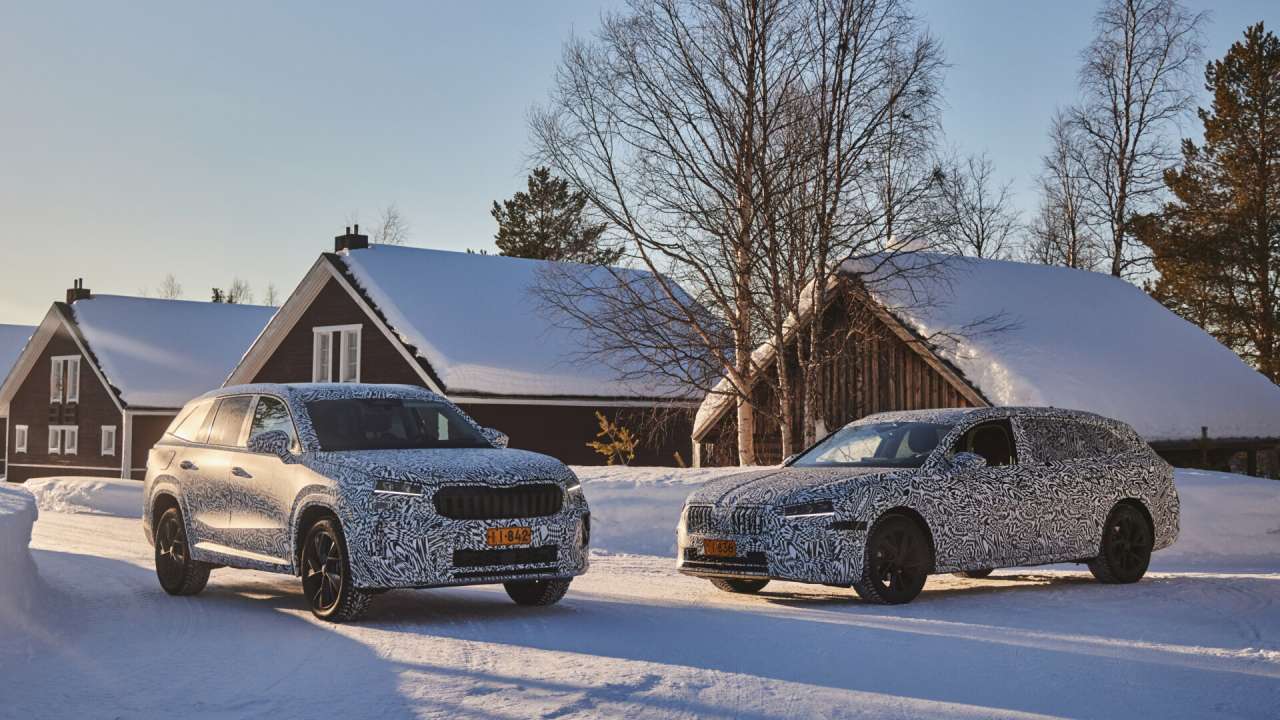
{"x": 68, "y": 367}
{"x": 349, "y": 339}
{"x": 108, "y": 448}
{"x": 321, "y": 355}
{"x": 64, "y": 440}
{"x": 20, "y": 433}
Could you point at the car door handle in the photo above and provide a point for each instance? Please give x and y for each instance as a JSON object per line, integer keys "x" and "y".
{"x": 240, "y": 472}
{"x": 187, "y": 465}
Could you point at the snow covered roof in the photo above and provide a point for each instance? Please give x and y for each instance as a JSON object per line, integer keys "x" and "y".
{"x": 1038, "y": 335}
{"x": 12, "y": 339}
{"x": 1035, "y": 335}
{"x": 162, "y": 353}
{"x": 479, "y": 324}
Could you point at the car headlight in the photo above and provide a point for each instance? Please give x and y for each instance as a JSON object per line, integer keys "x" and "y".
{"x": 396, "y": 487}
{"x": 809, "y": 509}
{"x": 573, "y": 486}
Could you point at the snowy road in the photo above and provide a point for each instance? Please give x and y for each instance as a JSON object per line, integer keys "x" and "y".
{"x": 633, "y": 639}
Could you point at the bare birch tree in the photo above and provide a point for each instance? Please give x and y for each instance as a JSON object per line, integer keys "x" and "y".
{"x": 977, "y": 218}
{"x": 170, "y": 288}
{"x": 1136, "y": 84}
{"x": 1061, "y": 232}
{"x": 392, "y": 227}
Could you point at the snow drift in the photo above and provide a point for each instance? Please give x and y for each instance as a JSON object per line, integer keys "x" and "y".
{"x": 104, "y": 496}
{"x": 20, "y": 584}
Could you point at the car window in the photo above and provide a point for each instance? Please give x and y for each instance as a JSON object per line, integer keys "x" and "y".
{"x": 875, "y": 444}
{"x": 271, "y": 414}
{"x": 1063, "y": 440}
{"x": 188, "y": 425}
{"x": 229, "y": 420}
{"x": 1098, "y": 440}
{"x": 390, "y": 424}
{"x": 993, "y": 441}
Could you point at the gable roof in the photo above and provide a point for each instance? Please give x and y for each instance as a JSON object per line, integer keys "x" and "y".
{"x": 473, "y": 324}
{"x": 149, "y": 353}
{"x": 1035, "y": 335}
{"x": 161, "y": 353}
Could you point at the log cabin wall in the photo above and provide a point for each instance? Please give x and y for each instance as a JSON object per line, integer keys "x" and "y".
{"x": 871, "y": 370}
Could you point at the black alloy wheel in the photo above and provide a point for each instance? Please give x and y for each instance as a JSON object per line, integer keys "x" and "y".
{"x": 326, "y": 575}
{"x": 897, "y": 562}
{"x": 1127, "y": 541}
{"x": 178, "y": 573}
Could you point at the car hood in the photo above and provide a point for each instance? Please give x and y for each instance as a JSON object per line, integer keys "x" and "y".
{"x": 489, "y": 466}
{"x": 781, "y": 485}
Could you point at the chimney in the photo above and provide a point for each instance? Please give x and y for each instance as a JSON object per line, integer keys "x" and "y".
{"x": 352, "y": 240}
{"x": 77, "y": 291}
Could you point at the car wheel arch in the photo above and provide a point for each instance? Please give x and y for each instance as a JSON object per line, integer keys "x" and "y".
{"x": 161, "y": 501}
{"x": 308, "y": 514}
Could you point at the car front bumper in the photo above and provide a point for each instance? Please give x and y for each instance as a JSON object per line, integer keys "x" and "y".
{"x": 408, "y": 545}
{"x": 820, "y": 549}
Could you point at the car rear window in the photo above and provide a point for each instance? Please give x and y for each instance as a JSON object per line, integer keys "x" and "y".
{"x": 187, "y": 426}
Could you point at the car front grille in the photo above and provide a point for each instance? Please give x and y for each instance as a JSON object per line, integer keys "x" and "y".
{"x": 746, "y": 520}
{"x": 697, "y": 518}
{"x": 471, "y": 502}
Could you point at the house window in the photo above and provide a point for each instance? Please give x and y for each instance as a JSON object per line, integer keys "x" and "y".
{"x": 335, "y": 353}
{"x": 64, "y": 439}
{"x": 20, "y": 438}
{"x": 108, "y": 439}
{"x": 64, "y": 379}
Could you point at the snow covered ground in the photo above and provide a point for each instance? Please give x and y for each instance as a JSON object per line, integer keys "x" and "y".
{"x": 1199, "y": 637}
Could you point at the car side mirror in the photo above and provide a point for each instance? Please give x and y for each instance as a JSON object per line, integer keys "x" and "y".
{"x": 496, "y": 438}
{"x": 790, "y": 458}
{"x": 272, "y": 442}
{"x": 967, "y": 461}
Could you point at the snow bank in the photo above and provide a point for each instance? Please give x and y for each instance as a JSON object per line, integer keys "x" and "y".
{"x": 1229, "y": 523}
{"x": 19, "y": 583}
{"x": 104, "y": 496}
{"x": 1037, "y": 335}
{"x": 162, "y": 353}
{"x": 635, "y": 510}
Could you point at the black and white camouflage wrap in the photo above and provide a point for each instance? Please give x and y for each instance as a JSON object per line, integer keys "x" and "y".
{"x": 393, "y": 540}
{"x": 1050, "y": 506}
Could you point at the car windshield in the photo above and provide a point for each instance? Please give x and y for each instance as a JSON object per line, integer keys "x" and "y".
{"x": 877, "y": 444}
{"x": 390, "y": 424}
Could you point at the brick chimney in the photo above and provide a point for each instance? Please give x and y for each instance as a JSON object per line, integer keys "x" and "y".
{"x": 77, "y": 291}
{"x": 352, "y": 240}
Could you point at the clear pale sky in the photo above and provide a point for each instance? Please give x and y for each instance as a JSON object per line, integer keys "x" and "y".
{"x": 216, "y": 140}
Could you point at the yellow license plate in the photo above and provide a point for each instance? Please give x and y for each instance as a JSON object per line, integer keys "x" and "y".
{"x": 719, "y": 548}
{"x": 508, "y": 536}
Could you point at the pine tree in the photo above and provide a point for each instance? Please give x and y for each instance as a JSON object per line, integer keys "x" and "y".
{"x": 546, "y": 223}
{"x": 1217, "y": 244}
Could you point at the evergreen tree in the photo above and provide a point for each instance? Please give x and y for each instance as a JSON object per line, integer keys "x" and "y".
{"x": 1217, "y": 244}
{"x": 546, "y": 223}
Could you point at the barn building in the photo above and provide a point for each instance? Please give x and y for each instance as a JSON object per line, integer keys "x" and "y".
{"x": 12, "y": 339}
{"x": 469, "y": 327}
{"x": 962, "y": 332}
{"x": 103, "y": 376}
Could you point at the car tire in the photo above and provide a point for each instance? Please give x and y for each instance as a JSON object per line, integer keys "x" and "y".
{"x": 896, "y": 562}
{"x": 739, "y": 585}
{"x": 537, "y": 593}
{"x": 326, "y": 574}
{"x": 1125, "y": 551}
{"x": 178, "y": 573}
{"x": 974, "y": 574}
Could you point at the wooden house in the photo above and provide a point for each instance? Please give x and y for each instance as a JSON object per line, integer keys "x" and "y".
{"x": 103, "y": 376}
{"x": 925, "y": 331}
{"x": 469, "y": 327}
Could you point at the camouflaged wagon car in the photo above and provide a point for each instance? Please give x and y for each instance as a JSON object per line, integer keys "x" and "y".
{"x": 358, "y": 489}
{"x": 887, "y": 500}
